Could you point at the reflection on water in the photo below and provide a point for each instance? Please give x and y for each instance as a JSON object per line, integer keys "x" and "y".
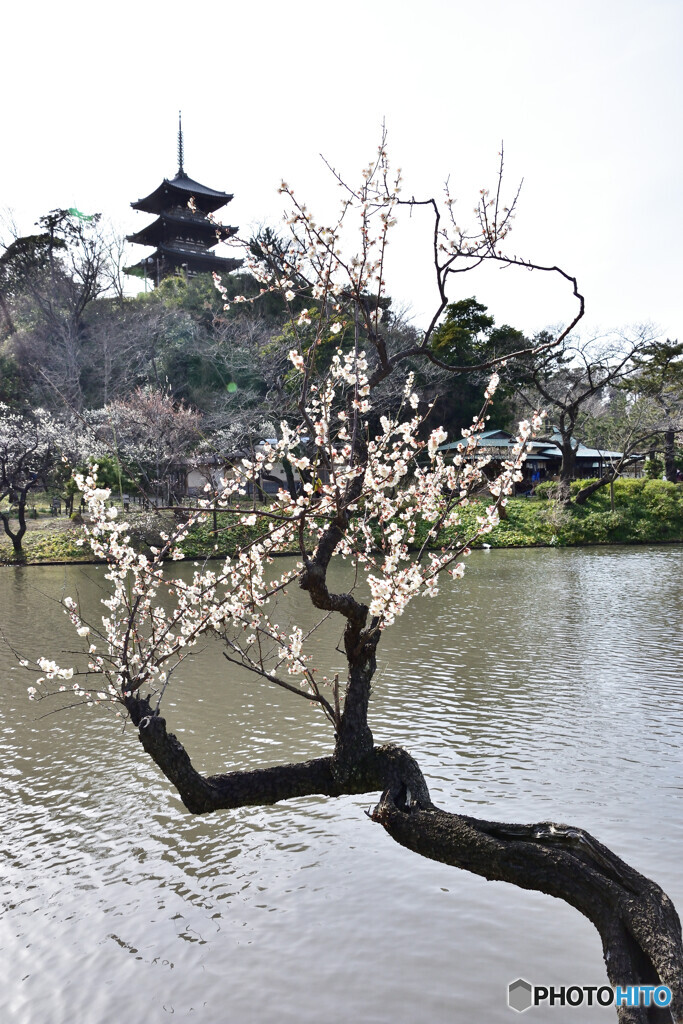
{"x": 546, "y": 685}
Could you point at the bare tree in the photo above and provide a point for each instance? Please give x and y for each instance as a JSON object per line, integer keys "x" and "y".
{"x": 620, "y": 428}
{"x": 570, "y": 382}
{"x": 53, "y": 278}
{"x": 658, "y": 381}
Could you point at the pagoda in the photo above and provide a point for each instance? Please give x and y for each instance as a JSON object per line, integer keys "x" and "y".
{"x": 184, "y": 233}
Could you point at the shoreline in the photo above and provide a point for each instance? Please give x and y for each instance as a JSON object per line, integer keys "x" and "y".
{"x": 667, "y": 541}
{"x": 643, "y": 512}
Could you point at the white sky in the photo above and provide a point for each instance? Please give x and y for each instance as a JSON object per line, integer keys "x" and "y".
{"x": 587, "y": 97}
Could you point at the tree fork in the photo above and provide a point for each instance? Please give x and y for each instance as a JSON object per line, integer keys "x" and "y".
{"x": 16, "y": 536}
{"x": 369, "y": 772}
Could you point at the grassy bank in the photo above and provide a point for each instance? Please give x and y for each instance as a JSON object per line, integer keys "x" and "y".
{"x": 644, "y": 512}
{"x": 55, "y": 539}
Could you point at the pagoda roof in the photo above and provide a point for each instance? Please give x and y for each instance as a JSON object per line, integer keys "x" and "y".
{"x": 196, "y": 262}
{"x": 172, "y": 222}
{"x": 178, "y": 191}
{"x": 166, "y": 249}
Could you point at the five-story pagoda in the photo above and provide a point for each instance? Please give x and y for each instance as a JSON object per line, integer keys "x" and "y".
{"x": 183, "y": 232}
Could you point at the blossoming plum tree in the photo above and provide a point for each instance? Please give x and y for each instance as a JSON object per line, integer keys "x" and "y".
{"x": 379, "y": 494}
{"x": 149, "y": 431}
{"x": 29, "y": 447}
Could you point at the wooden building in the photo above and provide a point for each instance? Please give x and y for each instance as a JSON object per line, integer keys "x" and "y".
{"x": 183, "y": 233}
{"x": 545, "y": 457}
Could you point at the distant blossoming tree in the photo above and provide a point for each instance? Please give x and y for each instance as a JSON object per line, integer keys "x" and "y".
{"x": 150, "y": 432}
{"x": 28, "y": 450}
{"x": 381, "y": 497}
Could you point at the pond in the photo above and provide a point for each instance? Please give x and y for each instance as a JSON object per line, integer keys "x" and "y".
{"x": 545, "y": 685}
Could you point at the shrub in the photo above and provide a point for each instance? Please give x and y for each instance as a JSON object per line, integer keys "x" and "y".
{"x": 544, "y": 490}
{"x": 654, "y": 468}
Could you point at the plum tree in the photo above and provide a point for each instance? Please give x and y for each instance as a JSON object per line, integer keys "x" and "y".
{"x": 378, "y": 495}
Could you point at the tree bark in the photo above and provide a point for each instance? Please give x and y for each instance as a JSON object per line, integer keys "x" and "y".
{"x": 608, "y": 478}
{"x": 567, "y": 470}
{"x": 289, "y": 475}
{"x": 16, "y": 536}
{"x": 670, "y": 455}
{"x": 11, "y": 329}
{"x": 638, "y": 924}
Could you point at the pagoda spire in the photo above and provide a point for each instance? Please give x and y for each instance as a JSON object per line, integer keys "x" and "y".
{"x": 181, "y": 169}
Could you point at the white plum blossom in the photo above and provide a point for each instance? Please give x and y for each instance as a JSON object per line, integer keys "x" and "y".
{"x": 391, "y": 494}
{"x": 492, "y": 386}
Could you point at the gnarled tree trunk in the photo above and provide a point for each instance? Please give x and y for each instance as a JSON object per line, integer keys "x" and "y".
{"x": 638, "y": 924}
{"x": 16, "y": 535}
{"x": 670, "y": 455}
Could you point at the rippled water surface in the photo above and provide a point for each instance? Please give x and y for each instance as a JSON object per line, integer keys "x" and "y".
{"x": 545, "y": 685}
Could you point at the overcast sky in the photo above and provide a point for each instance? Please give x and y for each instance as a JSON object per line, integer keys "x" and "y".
{"x": 587, "y": 97}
